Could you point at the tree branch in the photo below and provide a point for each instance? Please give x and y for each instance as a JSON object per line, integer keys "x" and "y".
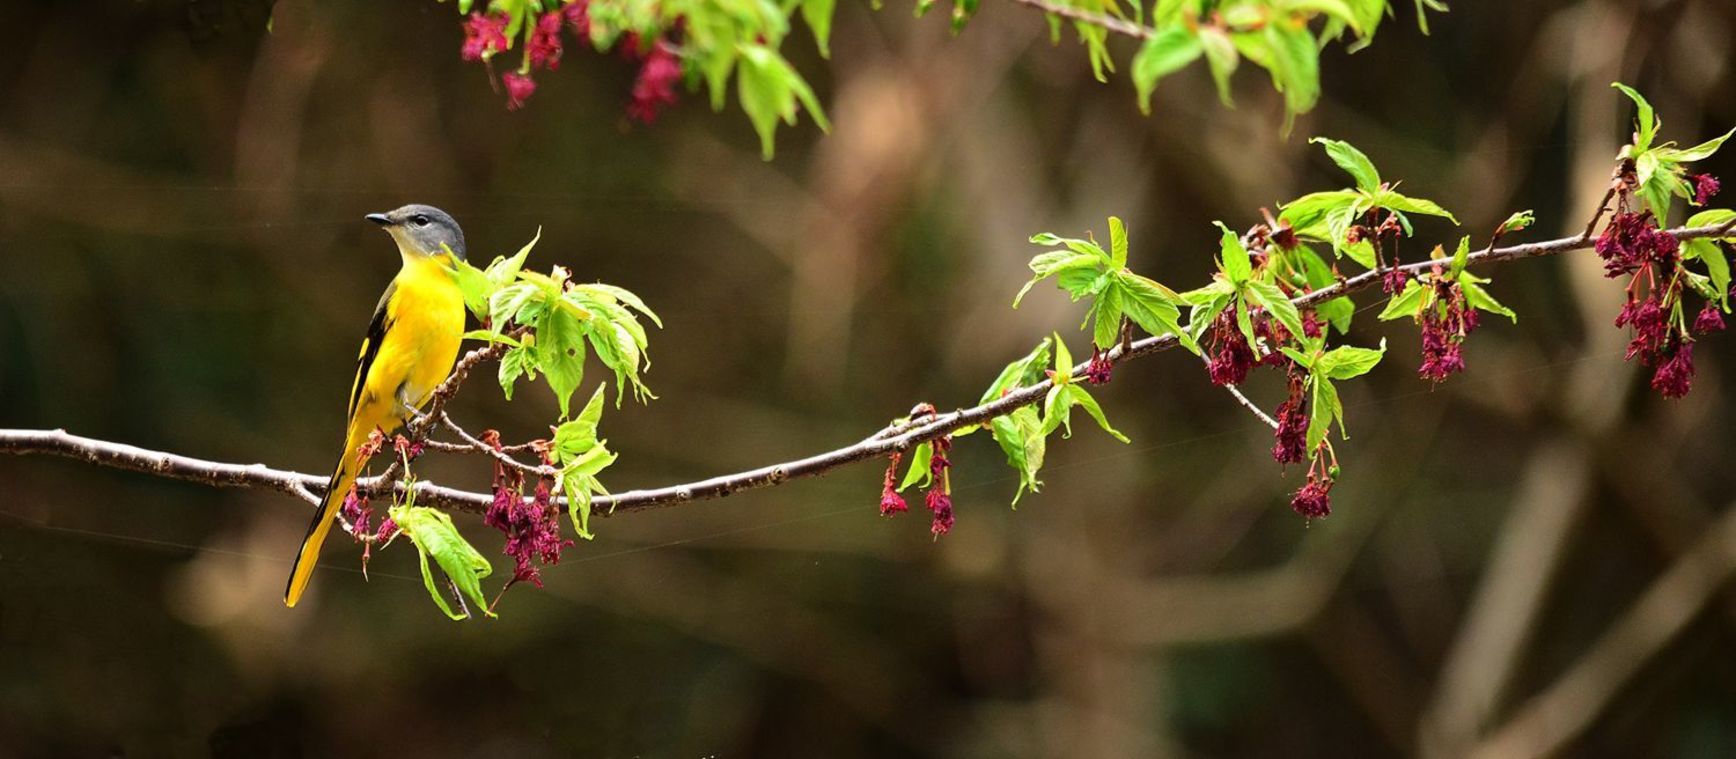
{"x": 894, "y": 438}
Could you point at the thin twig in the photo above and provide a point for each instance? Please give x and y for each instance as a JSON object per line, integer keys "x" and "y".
{"x": 891, "y": 439}
{"x": 1112, "y": 23}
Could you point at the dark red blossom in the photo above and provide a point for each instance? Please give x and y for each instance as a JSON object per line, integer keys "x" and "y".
{"x": 545, "y": 42}
{"x": 1446, "y": 322}
{"x": 484, "y": 35}
{"x": 1710, "y": 319}
{"x": 1311, "y": 325}
{"x": 655, "y": 87}
{"x": 577, "y": 16}
{"x": 1705, "y": 186}
{"x": 519, "y": 88}
{"x": 891, "y": 503}
{"x": 1675, "y": 375}
{"x": 357, "y": 513}
{"x": 1314, "y": 499}
{"x": 1231, "y": 356}
{"x": 532, "y": 527}
{"x": 1393, "y": 281}
{"x": 1100, "y": 367}
{"x": 940, "y": 503}
{"x": 1290, "y": 441}
{"x": 1633, "y": 240}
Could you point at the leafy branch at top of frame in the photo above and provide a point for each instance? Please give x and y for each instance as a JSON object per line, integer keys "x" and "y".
{"x": 705, "y": 43}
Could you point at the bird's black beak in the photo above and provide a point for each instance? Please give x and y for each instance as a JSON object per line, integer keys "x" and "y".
{"x": 379, "y": 218}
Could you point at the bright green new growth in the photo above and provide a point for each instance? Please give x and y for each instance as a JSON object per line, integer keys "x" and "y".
{"x": 1659, "y": 169}
{"x": 432, "y": 533}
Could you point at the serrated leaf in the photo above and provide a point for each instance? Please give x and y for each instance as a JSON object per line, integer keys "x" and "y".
{"x": 431, "y": 531}
{"x": 1166, "y": 52}
{"x": 1063, "y": 362}
{"x": 1461, "y": 256}
{"x": 1106, "y": 315}
{"x": 490, "y": 336}
{"x": 1308, "y": 214}
{"x": 1324, "y": 409}
{"x": 1353, "y": 161}
{"x": 1057, "y": 411}
{"x": 1153, "y": 307}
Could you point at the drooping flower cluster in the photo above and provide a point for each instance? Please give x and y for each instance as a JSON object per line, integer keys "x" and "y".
{"x": 939, "y": 499}
{"x": 654, "y": 89}
{"x": 1290, "y": 441}
{"x": 1632, "y": 245}
{"x": 1231, "y": 356}
{"x": 1446, "y": 322}
{"x": 891, "y": 503}
{"x": 1314, "y": 499}
{"x": 485, "y": 35}
{"x": 532, "y": 526}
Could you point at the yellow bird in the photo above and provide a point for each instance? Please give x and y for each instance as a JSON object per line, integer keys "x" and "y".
{"x": 410, "y": 347}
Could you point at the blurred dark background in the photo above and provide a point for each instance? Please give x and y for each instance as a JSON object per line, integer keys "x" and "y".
{"x": 1526, "y": 560}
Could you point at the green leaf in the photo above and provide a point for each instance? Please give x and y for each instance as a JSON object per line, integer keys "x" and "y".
{"x": 1023, "y": 372}
{"x": 770, "y": 90}
{"x": 515, "y": 363}
{"x": 1647, "y": 124}
{"x": 1308, "y": 214}
{"x": 578, "y": 482}
{"x": 559, "y": 350}
{"x": 510, "y": 303}
{"x": 1708, "y": 252}
{"x": 1461, "y": 256}
{"x": 1479, "y": 298}
{"x": 1057, "y": 409}
{"x": 577, "y": 436}
{"x": 1153, "y": 307}
{"x": 1081, "y": 398}
{"x": 818, "y": 14}
{"x": 1302, "y": 359}
{"x": 1020, "y": 435}
{"x": 1222, "y": 58}
{"x": 1166, "y": 52}
{"x": 1267, "y": 295}
{"x": 1353, "y": 161}
{"x": 1407, "y": 303}
{"x": 611, "y": 293}
{"x": 1295, "y": 67}
{"x": 431, "y": 531}
{"x": 918, "y": 473}
{"x": 1117, "y": 244}
{"x": 1325, "y": 408}
{"x": 474, "y": 286}
{"x": 1106, "y": 317}
{"x": 1347, "y": 362}
{"x": 1063, "y": 362}
{"x": 1396, "y": 202}
{"x": 1699, "y": 152}
{"x": 1232, "y": 256}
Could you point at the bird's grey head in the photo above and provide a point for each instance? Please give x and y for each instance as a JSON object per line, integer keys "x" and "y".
{"x": 422, "y": 230}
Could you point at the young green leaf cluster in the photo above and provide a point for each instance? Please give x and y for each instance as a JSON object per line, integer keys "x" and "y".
{"x": 706, "y": 42}
{"x": 1659, "y": 171}
{"x": 1284, "y": 37}
{"x": 547, "y": 322}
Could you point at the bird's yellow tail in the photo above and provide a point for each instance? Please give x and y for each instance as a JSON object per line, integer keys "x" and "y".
{"x": 336, "y": 489}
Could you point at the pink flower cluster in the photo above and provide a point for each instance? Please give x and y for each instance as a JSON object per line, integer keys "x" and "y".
{"x": 532, "y": 526}
{"x": 1632, "y": 245}
{"x": 939, "y": 496}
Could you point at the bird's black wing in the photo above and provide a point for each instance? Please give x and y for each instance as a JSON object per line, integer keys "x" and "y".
{"x": 377, "y": 328}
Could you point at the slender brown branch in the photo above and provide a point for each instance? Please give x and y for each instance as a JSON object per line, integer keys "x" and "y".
{"x": 886, "y": 441}
{"x": 1112, "y": 23}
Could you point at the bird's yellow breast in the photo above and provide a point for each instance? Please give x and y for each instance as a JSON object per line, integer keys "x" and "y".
{"x": 425, "y": 324}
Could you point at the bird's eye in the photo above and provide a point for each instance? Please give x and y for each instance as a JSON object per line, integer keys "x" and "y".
{"x": 419, "y": 220}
